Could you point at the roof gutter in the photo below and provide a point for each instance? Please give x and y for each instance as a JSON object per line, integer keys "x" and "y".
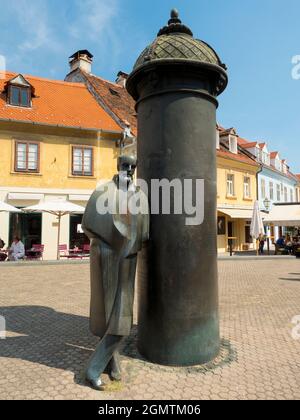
{"x": 96, "y": 130}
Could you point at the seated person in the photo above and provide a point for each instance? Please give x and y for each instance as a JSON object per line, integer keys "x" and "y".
{"x": 3, "y": 256}
{"x": 289, "y": 244}
{"x": 17, "y": 250}
{"x": 281, "y": 242}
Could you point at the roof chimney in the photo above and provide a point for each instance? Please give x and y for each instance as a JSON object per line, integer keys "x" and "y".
{"x": 82, "y": 60}
{"x": 122, "y": 78}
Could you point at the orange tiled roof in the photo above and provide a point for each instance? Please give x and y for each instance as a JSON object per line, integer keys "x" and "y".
{"x": 57, "y": 103}
{"x": 116, "y": 98}
{"x": 239, "y": 157}
{"x": 273, "y": 155}
{"x": 242, "y": 141}
{"x": 249, "y": 145}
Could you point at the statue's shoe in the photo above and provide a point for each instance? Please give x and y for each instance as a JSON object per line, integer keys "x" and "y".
{"x": 96, "y": 383}
{"x": 114, "y": 369}
{"x": 115, "y": 375}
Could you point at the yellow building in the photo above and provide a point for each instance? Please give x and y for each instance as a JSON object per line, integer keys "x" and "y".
{"x": 237, "y": 191}
{"x": 56, "y": 142}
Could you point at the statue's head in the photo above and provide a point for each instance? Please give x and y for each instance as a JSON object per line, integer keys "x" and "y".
{"x": 127, "y": 165}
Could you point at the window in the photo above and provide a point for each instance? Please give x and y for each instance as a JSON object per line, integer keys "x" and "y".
{"x": 247, "y": 187}
{"x": 19, "y": 96}
{"x": 233, "y": 144}
{"x": 271, "y": 191}
{"x": 27, "y": 156}
{"x": 82, "y": 161}
{"x": 292, "y": 195}
{"x": 285, "y": 194}
{"x": 278, "y": 165}
{"x": 230, "y": 185}
{"x": 278, "y": 193}
{"x": 263, "y": 189}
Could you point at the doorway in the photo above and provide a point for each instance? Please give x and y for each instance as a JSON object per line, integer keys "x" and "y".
{"x": 77, "y": 236}
{"x": 248, "y": 238}
{"x": 28, "y": 227}
{"x": 230, "y": 230}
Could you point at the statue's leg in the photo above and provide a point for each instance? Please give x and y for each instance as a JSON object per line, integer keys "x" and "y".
{"x": 102, "y": 356}
{"x": 114, "y": 367}
{"x": 127, "y": 278}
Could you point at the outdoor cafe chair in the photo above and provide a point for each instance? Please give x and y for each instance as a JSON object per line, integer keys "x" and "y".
{"x": 36, "y": 252}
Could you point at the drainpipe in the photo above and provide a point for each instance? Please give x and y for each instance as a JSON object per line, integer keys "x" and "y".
{"x": 257, "y": 184}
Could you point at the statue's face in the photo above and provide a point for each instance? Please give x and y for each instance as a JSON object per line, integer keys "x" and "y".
{"x": 127, "y": 167}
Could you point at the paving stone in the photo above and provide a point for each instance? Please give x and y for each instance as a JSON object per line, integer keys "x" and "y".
{"x": 48, "y": 342}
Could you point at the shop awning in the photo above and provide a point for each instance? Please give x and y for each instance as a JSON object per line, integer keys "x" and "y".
{"x": 237, "y": 213}
{"x": 25, "y": 196}
{"x": 79, "y": 197}
{"x": 284, "y": 215}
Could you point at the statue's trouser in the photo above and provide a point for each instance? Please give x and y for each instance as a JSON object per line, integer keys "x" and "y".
{"x": 119, "y": 324}
{"x": 102, "y": 356}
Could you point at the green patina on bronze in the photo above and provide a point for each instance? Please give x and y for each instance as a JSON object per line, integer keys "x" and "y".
{"x": 178, "y": 46}
{"x": 176, "y": 81}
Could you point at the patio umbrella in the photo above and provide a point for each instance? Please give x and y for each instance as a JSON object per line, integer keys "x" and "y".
{"x": 58, "y": 208}
{"x": 257, "y": 226}
{"x": 8, "y": 208}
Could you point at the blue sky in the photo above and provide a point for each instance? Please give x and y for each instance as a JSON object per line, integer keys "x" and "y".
{"x": 255, "y": 38}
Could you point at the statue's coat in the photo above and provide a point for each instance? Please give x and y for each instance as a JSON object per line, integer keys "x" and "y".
{"x": 115, "y": 242}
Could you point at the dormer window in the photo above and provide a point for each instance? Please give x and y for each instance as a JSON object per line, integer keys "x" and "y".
{"x": 19, "y": 92}
{"x": 233, "y": 144}
{"x": 19, "y": 96}
{"x": 218, "y": 139}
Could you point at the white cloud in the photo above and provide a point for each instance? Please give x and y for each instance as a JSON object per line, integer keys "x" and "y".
{"x": 34, "y": 24}
{"x": 94, "y": 18}
{"x": 39, "y": 29}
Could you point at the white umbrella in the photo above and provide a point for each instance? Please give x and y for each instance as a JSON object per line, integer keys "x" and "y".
{"x": 257, "y": 226}
{"x": 8, "y": 208}
{"x": 4, "y": 207}
{"x": 58, "y": 208}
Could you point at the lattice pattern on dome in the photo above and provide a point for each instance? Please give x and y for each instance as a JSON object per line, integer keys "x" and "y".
{"x": 178, "y": 46}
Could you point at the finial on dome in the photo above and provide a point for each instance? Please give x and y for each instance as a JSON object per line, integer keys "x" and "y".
{"x": 174, "y": 17}
{"x": 174, "y": 13}
{"x": 175, "y": 25}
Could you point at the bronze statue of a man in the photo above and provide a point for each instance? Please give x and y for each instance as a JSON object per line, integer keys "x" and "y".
{"x": 116, "y": 233}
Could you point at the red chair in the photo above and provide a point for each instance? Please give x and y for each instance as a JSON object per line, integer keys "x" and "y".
{"x": 87, "y": 250}
{"x": 63, "y": 251}
{"x": 36, "y": 252}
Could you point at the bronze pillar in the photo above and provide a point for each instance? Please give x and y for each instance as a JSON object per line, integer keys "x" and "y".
{"x": 175, "y": 82}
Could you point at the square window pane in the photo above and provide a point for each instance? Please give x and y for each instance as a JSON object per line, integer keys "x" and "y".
{"x": 88, "y": 153}
{"x": 77, "y": 153}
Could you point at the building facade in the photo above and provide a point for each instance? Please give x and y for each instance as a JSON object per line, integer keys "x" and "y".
{"x": 276, "y": 184}
{"x": 237, "y": 191}
{"x": 56, "y": 143}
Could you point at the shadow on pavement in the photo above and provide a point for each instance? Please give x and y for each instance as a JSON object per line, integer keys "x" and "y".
{"x": 58, "y": 340}
{"x": 289, "y": 279}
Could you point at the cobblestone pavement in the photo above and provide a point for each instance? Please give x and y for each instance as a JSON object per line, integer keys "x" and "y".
{"x": 48, "y": 343}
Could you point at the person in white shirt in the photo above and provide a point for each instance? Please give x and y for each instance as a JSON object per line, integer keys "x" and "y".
{"x": 17, "y": 250}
